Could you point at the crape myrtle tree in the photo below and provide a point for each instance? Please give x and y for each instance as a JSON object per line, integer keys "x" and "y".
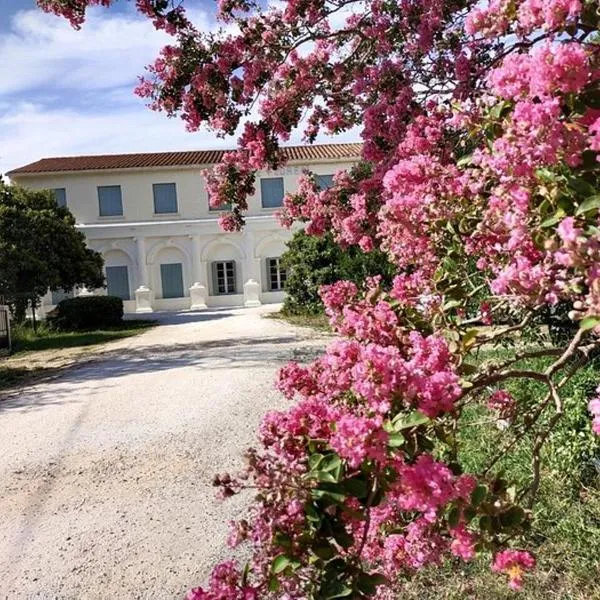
{"x": 40, "y": 249}
{"x": 481, "y": 128}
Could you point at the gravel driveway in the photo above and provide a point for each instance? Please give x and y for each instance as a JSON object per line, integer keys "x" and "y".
{"x": 105, "y": 471}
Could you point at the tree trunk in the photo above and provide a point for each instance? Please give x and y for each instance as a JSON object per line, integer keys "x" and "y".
{"x": 20, "y": 309}
{"x": 33, "y": 319}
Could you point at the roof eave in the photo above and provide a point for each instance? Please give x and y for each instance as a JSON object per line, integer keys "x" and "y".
{"x": 18, "y": 173}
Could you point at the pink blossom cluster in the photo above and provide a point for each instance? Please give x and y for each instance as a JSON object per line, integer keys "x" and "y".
{"x": 496, "y": 17}
{"x": 594, "y": 408}
{"x": 546, "y": 70}
{"x": 502, "y": 403}
{"x": 224, "y": 585}
{"x": 513, "y": 563}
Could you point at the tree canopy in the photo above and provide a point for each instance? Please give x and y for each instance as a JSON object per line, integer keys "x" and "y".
{"x": 40, "y": 248}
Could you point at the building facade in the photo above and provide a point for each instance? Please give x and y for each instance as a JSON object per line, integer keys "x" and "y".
{"x": 149, "y": 217}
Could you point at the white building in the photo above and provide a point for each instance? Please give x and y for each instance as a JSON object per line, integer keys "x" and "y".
{"x": 149, "y": 217}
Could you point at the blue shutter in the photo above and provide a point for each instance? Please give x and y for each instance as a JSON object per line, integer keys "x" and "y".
{"x": 171, "y": 275}
{"x": 271, "y": 191}
{"x": 117, "y": 282}
{"x": 60, "y": 195}
{"x": 110, "y": 201}
{"x": 324, "y": 182}
{"x": 165, "y": 198}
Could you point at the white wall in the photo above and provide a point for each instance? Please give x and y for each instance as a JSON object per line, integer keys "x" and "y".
{"x": 142, "y": 240}
{"x": 137, "y": 196}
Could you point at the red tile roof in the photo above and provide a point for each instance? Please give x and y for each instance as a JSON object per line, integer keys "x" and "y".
{"x": 176, "y": 159}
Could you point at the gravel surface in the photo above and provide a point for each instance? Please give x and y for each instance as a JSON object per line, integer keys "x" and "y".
{"x": 105, "y": 471}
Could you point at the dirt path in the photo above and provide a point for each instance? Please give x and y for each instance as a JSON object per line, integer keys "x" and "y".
{"x": 105, "y": 471}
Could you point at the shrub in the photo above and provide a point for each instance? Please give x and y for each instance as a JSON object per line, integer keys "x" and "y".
{"x": 315, "y": 261}
{"x": 87, "y": 312}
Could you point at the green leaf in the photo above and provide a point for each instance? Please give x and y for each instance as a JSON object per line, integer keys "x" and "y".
{"x": 395, "y": 440}
{"x": 589, "y": 323}
{"x": 413, "y": 419}
{"x": 341, "y": 536}
{"x": 280, "y": 564}
{"x": 554, "y": 219}
{"x": 331, "y": 462}
{"x": 337, "y": 589}
{"x": 325, "y": 476}
{"x": 581, "y": 186}
{"x": 314, "y": 461}
{"x": 465, "y": 161}
{"x": 453, "y": 516}
{"x": 323, "y": 550}
{"x": 367, "y": 583}
{"x": 478, "y": 495}
{"x": 469, "y": 338}
{"x": 591, "y": 203}
{"x": 485, "y": 523}
{"x": 356, "y": 487}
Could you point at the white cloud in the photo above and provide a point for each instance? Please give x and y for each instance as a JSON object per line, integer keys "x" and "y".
{"x": 70, "y": 92}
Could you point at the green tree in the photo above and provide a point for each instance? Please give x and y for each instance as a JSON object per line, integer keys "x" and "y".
{"x": 315, "y": 261}
{"x": 41, "y": 249}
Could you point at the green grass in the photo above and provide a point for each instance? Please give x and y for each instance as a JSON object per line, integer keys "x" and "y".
{"x": 26, "y": 340}
{"x": 565, "y": 532}
{"x": 318, "y": 321}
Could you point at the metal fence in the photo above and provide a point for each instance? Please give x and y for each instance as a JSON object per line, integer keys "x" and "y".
{"x": 4, "y": 329}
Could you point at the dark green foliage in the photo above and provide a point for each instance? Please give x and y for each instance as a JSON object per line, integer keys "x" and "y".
{"x": 315, "y": 261}
{"x": 41, "y": 249}
{"x": 88, "y": 312}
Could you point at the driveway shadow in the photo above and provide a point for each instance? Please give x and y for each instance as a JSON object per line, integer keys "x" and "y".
{"x": 103, "y": 373}
{"x": 182, "y": 317}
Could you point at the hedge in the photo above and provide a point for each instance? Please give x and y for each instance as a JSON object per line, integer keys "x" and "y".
{"x": 87, "y": 312}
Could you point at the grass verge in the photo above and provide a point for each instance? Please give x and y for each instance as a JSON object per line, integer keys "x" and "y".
{"x": 319, "y": 321}
{"x": 26, "y": 340}
{"x": 46, "y": 347}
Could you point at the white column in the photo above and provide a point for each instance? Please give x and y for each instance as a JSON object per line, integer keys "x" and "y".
{"x": 198, "y": 291}
{"x": 140, "y": 244}
{"x": 143, "y": 294}
{"x": 197, "y": 276}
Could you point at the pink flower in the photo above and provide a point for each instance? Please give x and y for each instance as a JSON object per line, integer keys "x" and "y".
{"x": 513, "y": 563}
{"x": 357, "y": 438}
{"x": 503, "y": 403}
{"x": 594, "y": 408}
{"x": 463, "y": 544}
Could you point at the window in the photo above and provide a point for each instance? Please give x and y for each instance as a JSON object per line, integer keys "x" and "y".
{"x": 109, "y": 199}
{"x": 276, "y": 274}
{"x": 117, "y": 282}
{"x": 324, "y": 182}
{"x": 223, "y": 273}
{"x": 271, "y": 191}
{"x": 171, "y": 276}
{"x": 165, "y": 198}
{"x": 60, "y": 195}
{"x": 60, "y": 295}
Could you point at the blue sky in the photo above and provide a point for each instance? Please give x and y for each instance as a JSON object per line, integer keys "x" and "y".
{"x": 66, "y": 92}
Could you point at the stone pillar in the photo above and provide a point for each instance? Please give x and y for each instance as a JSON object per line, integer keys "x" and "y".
{"x": 198, "y": 291}
{"x": 143, "y": 294}
{"x": 252, "y": 293}
{"x": 198, "y": 295}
